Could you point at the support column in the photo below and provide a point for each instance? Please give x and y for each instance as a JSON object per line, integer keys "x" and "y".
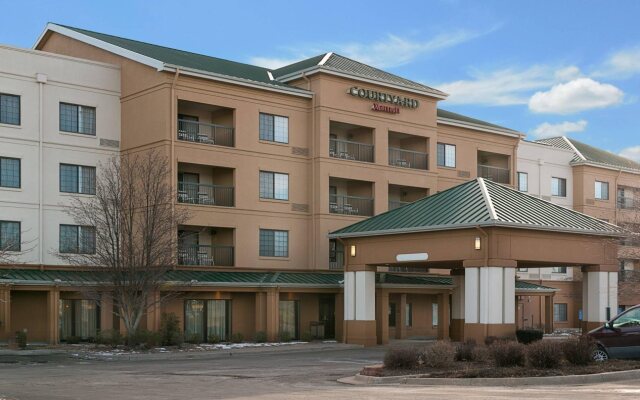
{"x": 53, "y": 312}
{"x": 599, "y": 293}
{"x": 548, "y": 313}
{"x": 489, "y": 302}
{"x": 272, "y": 314}
{"x": 359, "y": 305}
{"x": 443, "y": 316}
{"x": 106, "y": 312}
{"x": 261, "y": 312}
{"x": 457, "y": 306}
{"x": 382, "y": 316}
{"x": 5, "y": 313}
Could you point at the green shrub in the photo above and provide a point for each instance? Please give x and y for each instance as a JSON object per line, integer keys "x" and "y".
{"x": 193, "y": 338}
{"x": 544, "y": 354}
{"x": 401, "y": 358}
{"x": 306, "y": 337}
{"x": 526, "y": 336}
{"x": 111, "y": 338}
{"x": 507, "y": 353}
{"x": 441, "y": 354}
{"x": 260, "y": 337}
{"x": 284, "y": 337}
{"x": 465, "y": 351}
{"x": 170, "y": 333}
{"x": 214, "y": 339}
{"x": 144, "y": 339}
{"x": 72, "y": 339}
{"x": 579, "y": 351}
{"x": 237, "y": 338}
{"x": 21, "y": 339}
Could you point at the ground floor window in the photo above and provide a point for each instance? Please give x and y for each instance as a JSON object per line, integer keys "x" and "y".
{"x": 408, "y": 315}
{"x": 78, "y": 319}
{"x": 434, "y": 314}
{"x": 392, "y": 315}
{"x": 207, "y": 320}
{"x": 560, "y": 312}
{"x": 289, "y": 310}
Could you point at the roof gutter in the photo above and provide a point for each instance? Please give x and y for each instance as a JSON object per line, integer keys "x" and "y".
{"x": 477, "y": 127}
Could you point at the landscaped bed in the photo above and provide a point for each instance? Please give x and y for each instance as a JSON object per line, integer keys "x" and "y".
{"x": 499, "y": 358}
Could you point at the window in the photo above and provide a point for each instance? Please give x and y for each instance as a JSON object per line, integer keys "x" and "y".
{"x": 629, "y": 319}
{"x": 434, "y": 314}
{"x": 523, "y": 269}
{"x": 77, "y": 179}
{"x": 78, "y": 319}
{"x": 9, "y": 172}
{"x": 408, "y": 315}
{"x": 289, "y": 311}
{"x": 207, "y": 320}
{"x": 274, "y": 128}
{"x": 76, "y": 239}
{"x": 560, "y": 312}
{"x": 9, "y": 109}
{"x": 559, "y": 270}
{"x": 10, "y": 236}
{"x": 559, "y": 187}
{"x": 523, "y": 181}
{"x": 274, "y": 243}
{"x": 77, "y": 119}
{"x": 274, "y": 185}
{"x": 602, "y": 190}
{"x": 446, "y": 155}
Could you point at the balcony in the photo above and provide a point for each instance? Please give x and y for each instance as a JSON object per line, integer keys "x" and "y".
{"x": 211, "y": 195}
{"x": 408, "y": 151}
{"x": 496, "y": 174}
{"x": 206, "y": 124}
{"x": 628, "y": 203}
{"x": 351, "y": 142}
{"x": 205, "y": 185}
{"x": 348, "y": 150}
{"x": 336, "y": 260}
{"x": 205, "y": 255}
{"x": 408, "y": 159}
{"x": 206, "y": 246}
{"x": 402, "y": 195}
{"x": 350, "y": 205}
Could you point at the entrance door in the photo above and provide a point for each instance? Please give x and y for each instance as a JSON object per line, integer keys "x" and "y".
{"x": 327, "y": 308}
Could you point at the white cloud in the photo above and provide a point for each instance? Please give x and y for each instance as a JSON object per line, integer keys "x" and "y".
{"x": 632, "y": 152}
{"x": 507, "y": 86}
{"x": 391, "y": 51}
{"x": 574, "y": 96}
{"x": 622, "y": 64}
{"x": 547, "y": 130}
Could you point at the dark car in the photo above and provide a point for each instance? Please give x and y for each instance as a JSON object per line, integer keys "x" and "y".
{"x": 620, "y": 337}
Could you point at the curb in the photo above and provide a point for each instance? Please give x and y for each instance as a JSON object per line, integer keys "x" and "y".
{"x": 508, "y": 382}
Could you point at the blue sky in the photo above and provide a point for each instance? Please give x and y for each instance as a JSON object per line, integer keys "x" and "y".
{"x": 542, "y": 67}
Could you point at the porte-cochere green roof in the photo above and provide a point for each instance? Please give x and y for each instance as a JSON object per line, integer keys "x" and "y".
{"x": 483, "y": 203}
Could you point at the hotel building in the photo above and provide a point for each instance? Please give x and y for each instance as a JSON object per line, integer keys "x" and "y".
{"x": 272, "y": 164}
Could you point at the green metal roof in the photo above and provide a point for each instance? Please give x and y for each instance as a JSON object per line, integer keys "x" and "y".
{"x": 468, "y": 120}
{"x": 587, "y": 153}
{"x": 523, "y": 285}
{"x": 479, "y": 202}
{"x": 337, "y": 63}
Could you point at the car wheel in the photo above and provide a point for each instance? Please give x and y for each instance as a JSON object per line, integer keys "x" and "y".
{"x": 599, "y": 355}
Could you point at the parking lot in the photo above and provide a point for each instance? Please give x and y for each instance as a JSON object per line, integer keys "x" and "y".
{"x": 291, "y": 373}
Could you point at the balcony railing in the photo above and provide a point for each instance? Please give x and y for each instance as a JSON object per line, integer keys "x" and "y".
{"x": 336, "y": 260}
{"x": 393, "y": 204}
{"x": 216, "y": 255}
{"x": 408, "y": 159}
{"x": 496, "y": 174}
{"x": 348, "y": 150}
{"x": 629, "y": 276}
{"x": 200, "y": 132}
{"x": 350, "y": 205}
{"x": 212, "y": 195}
{"x": 627, "y": 203}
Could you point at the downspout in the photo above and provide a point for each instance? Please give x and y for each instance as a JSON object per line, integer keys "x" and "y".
{"x": 314, "y": 190}
{"x": 41, "y": 79}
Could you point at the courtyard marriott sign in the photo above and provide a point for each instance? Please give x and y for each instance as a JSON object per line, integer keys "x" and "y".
{"x": 384, "y": 102}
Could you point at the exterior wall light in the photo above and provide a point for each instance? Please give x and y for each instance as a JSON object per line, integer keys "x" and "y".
{"x": 478, "y": 243}
{"x": 353, "y": 250}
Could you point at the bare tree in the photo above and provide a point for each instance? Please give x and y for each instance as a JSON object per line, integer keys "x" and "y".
{"x": 129, "y": 233}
